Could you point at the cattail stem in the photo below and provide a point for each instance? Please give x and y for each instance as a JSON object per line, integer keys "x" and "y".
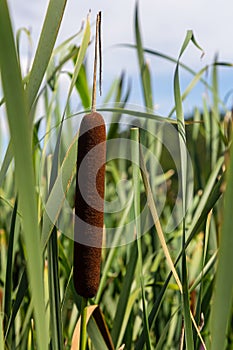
{"x": 97, "y": 44}
{"x": 83, "y": 331}
{"x": 89, "y": 201}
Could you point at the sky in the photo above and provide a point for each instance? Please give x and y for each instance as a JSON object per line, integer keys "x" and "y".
{"x": 164, "y": 24}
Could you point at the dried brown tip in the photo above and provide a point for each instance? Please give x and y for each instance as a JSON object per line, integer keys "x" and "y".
{"x": 89, "y": 204}
{"x": 98, "y": 47}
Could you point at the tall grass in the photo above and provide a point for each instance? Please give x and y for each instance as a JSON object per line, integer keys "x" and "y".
{"x": 164, "y": 289}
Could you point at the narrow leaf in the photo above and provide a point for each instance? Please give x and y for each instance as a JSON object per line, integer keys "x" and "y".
{"x": 8, "y": 278}
{"x": 45, "y": 47}
{"x": 19, "y": 129}
{"x": 222, "y": 303}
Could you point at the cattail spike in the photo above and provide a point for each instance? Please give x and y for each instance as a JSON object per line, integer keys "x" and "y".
{"x": 89, "y": 204}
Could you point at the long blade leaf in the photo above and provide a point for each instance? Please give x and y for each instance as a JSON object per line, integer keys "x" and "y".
{"x": 21, "y": 143}
{"x": 222, "y": 302}
{"x": 45, "y": 47}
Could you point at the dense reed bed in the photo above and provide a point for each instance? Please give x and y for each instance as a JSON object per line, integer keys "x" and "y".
{"x": 165, "y": 270}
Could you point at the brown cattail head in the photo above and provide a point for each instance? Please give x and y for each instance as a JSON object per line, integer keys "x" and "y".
{"x": 89, "y": 204}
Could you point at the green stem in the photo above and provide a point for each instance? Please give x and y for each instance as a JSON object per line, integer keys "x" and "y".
{"x": 83, "y": 332}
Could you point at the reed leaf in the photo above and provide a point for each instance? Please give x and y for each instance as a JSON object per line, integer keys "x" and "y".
{"x": 16, "y": 106}
{"x": 222, "y": 302}
{"x": 45, "y": 47}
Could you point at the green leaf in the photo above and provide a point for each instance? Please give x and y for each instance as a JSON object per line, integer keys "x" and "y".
{"x": 21, "y": 145}
{"x": 54, "y": 293}
{"x": 120, "y": 101}
{"x": 184, "y": 179}
{"x": 153, "y": 313}
{"x": 138, "y": 114}
{"x": 103, "y": 328}
{"x": 143, "y": 65}
{"x": 80, "y": 59}
{"x": 18, "y": 37}
{"x": 96, "y": 336}
{"x": 135, "y": 154}
{"x": 113, "y": 250}
{"x": 222, "y": 302}
{"x": 133, "y": 297}
{"x": 184, "y": 66}
{"x": 154, "y": 213}
{"x": 83, "y": 88}
{"x": 6, "y": 162}
{"x": 8, "y": 278}
{"x": 212, "y": 192}
{"x": 2, "y": 342}
{"x": 20, "y": 293}
{"x": 56, "y": 197}
{"x": 161, "y": 343}
{"x": 215, "y": 128}
{"x": 45, "y": 47}
{"x": 190, "y": 87}
{"x": 52, "y": 71}
{"x": 124, "y": 295}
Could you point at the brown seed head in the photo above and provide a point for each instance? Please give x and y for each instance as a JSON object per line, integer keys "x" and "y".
{"x": 89, "y": 204}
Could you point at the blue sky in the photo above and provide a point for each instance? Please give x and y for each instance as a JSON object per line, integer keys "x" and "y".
{"x": 163, "y": 24}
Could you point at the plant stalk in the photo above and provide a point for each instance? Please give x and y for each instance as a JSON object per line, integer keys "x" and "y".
{"x": 83, "y": 330}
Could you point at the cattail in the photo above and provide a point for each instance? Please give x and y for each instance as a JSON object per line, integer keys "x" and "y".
{"x": 89, "y": 204}
{"x": 89, "y": 200}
